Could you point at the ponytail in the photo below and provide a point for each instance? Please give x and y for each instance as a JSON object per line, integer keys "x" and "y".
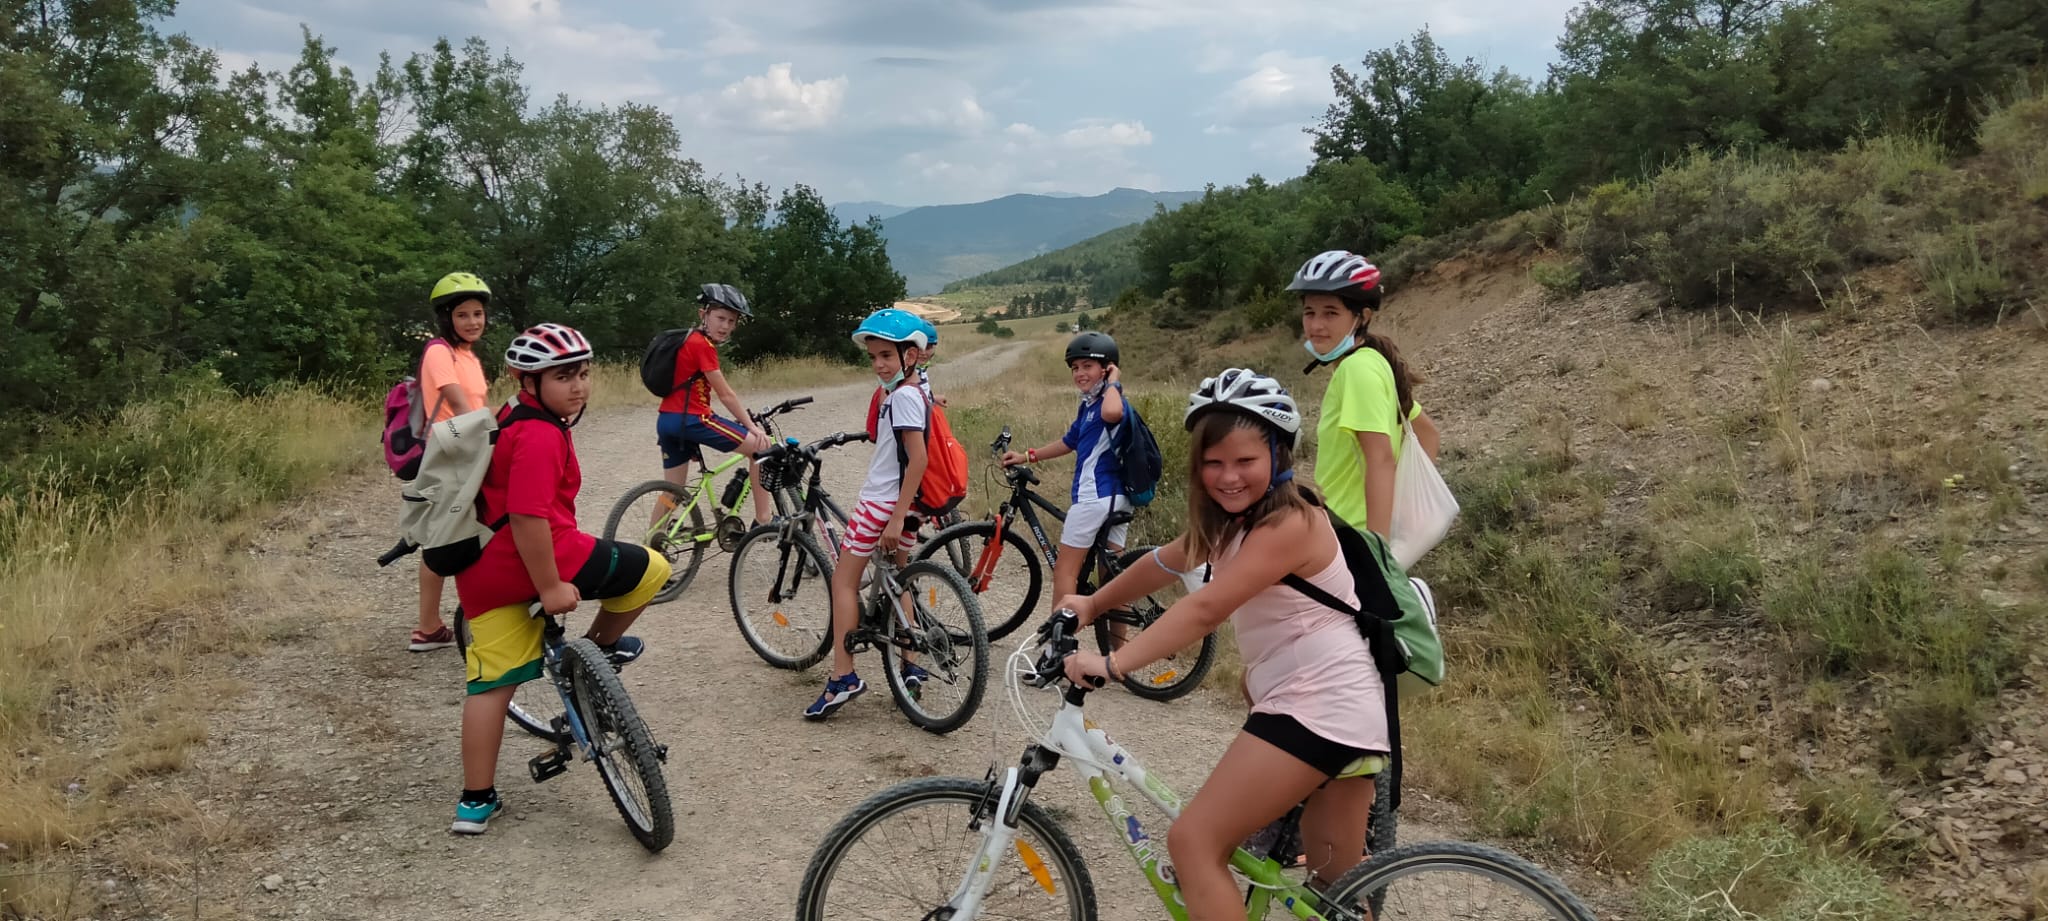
{"x": 1404, "y": 379}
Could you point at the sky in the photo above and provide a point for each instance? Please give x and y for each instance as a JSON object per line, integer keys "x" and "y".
{"x": 918, "y": 102}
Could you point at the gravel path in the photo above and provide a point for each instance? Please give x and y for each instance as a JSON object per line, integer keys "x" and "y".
{"x": 340, "y": 764}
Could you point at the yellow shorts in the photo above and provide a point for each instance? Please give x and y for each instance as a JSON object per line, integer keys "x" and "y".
{"x": 504, "y": 642}
{"x": 1365, "y": 766}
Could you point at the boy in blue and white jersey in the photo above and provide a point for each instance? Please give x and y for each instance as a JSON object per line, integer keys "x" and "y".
{"x": 1098, "y": 480}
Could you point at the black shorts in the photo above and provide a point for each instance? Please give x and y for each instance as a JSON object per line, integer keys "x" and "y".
{"x": 1289, "y": 735}
{"x": 614, "y": 570}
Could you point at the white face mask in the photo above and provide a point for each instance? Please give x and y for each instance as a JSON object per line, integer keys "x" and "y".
{"x": 1350, "y": 340}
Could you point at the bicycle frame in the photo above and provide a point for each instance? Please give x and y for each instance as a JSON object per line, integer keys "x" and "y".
{"x": 1071, "y": 731}
{"x": 551, "y": 665}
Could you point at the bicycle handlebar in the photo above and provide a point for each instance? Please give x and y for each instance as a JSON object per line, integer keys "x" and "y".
{"x": 780, "y": 408}
{"x": 1060, "y": 640}
{"x": 401, "y": 549}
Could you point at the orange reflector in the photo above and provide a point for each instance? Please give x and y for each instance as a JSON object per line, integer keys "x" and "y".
{"x": 780, "y": 620}
{"x": 932, "y": 594}
{"x": 1036, "y": 866}
{"x": 1163, "y": 678}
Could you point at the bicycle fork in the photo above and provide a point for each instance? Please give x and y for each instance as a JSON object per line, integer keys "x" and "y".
{"x": 997, "y": 822}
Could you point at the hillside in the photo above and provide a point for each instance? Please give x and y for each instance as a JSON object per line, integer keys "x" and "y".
{"x": 941, "y": 243}
{"x": 1728, "y": 589}
{"x": 857, "y": 212}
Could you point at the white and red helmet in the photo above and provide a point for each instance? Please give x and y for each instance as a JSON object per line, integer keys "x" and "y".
{"x": 1336, "y": 272}
{"x": 545, "y": 346}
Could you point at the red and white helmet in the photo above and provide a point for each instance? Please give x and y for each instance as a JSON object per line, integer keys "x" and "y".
{"x": 546, "y": 346}
{"x": 1336, "y": 272}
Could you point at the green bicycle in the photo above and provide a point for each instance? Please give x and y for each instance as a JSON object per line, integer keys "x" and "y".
{"x": 681, "y": 522}
{"x": 955, "y": 849}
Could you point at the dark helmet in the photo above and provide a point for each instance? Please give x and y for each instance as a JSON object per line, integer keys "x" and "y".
{"x": 717, "y": 295}
{"x": 1092, "y": 344}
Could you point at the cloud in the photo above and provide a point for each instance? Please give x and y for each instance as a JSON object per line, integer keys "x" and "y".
{"x": 1281, "y": 89}
{"x": 586, "y": 56}
{"x": 1113, "y": 134}
{"x": 778, "y": 102}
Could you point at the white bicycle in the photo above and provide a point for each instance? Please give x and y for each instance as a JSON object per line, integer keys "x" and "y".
{"x": 887, "y": 859}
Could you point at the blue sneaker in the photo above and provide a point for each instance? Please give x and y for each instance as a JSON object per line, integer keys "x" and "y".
{"x": 838, "y": 692}
{"x": 914, "y": 675}
{"x": 472, "y": 818}
{"x": 625, "y": 650}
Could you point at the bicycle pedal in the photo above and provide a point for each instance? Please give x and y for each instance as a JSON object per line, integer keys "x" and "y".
{"x": 547, "y": 765}
{"x": 661, "y": 753}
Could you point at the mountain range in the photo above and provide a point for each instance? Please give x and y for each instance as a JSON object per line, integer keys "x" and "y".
{"x": 935, "y": 244}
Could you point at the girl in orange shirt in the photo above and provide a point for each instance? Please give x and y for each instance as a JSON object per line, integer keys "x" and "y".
{"x": 451, "y": 383}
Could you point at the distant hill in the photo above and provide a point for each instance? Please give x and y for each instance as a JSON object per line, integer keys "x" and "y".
{"x": 857, "y": 212}
{"x": 941, "y": 243}
{"x": 1101, "y": 266}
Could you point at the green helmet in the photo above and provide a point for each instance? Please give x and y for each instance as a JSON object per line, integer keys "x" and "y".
{"x": 455, "y": 287}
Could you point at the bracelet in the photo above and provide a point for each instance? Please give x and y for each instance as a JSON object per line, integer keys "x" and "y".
{"x": 1031, "y": 455}
{"x": 1109, "y": 665}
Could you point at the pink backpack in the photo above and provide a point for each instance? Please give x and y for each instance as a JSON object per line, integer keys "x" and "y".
{"x": 405, "y": 423}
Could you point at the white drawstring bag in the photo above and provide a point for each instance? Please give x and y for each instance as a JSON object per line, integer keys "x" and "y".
{"x": 1423, "y": 505}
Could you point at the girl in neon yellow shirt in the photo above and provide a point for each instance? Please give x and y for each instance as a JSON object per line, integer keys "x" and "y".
{"x": 1358, "y": 434}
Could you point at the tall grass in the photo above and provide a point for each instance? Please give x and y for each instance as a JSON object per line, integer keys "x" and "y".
{"x": 122, "y": 562}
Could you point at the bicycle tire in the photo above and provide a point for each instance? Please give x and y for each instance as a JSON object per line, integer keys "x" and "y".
{"x": 624, "y": 748}
{"x": 964, "y": 544}
{"x": 684, "y": 552}
{"x": 778, "y": 638}
{"x": 1056, "y": 853}
{"x": 938, "y": 644}
{"x": 1169, "y": 678}
{"x": 1385, "y": 881}
{"x": 535, "y": 705}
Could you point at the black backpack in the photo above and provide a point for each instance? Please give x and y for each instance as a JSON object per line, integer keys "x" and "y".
{"x": 1139, "y": 463}
{"x": 658, "y": 366}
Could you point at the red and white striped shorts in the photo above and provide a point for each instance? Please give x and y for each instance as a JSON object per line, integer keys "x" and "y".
{"x": 864, "y": 528}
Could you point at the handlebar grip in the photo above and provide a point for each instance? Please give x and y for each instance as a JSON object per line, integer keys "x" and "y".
{"x": 799, "y": 401}
{"x": 402, "y": 548}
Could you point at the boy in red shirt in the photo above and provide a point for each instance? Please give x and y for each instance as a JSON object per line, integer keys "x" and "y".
{"x": 538, "y": 553}
{"x": 686, "y": 424}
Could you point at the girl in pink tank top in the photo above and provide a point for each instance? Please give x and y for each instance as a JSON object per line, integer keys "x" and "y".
{"x": 1317, "y": 721}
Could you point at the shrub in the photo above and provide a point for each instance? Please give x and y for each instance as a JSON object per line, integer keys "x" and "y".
{"x": 2015, "y": 140}
{"x": 1559, "y": 279}
{"x": 1764, "y": 873}
{"x": 1966, "y": 276}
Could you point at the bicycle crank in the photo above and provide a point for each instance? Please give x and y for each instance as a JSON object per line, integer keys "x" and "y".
{"x": 729, "y": 531}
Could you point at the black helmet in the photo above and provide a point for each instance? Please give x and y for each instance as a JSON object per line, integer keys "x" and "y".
{"x": 717, "y": 295}
{"x": 1092, "y": 344}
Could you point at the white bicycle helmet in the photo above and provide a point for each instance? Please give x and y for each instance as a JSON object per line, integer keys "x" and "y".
{"x": 1251, "y": 392}
{"x": 546, "y": 346}
{"x": 1337, "y": 272}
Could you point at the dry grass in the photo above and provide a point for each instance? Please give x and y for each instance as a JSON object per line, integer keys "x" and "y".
{"x": 124, "y": 549}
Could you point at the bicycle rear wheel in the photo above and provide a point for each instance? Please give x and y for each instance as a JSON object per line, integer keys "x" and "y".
{"x": 676, "y": 534}
{"x": 624, "y": 750}
{"x": 945, "y": 639}
{"x": 1168, "y": 678}
{"x": 535, "y": 704}
{"x": 894, "y": 856}
{"x": 1008, "y": 585}
{"x": 781, "y": 594}
{"x": 1443, "y": 880}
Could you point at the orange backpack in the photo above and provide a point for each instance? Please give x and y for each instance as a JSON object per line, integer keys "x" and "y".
{"x": 945, "y": 469}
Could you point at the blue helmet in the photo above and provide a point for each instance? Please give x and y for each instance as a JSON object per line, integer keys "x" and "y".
{"x": 890, "y": 324}
{"x": 931, "y": 333}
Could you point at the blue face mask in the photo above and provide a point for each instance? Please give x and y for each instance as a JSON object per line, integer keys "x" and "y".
{"x": 1350, "y": 340}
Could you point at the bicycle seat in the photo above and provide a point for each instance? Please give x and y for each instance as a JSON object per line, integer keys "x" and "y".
{"x": 1119, "y": 517}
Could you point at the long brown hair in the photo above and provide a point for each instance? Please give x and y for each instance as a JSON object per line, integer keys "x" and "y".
{"x": 1404, "y": 379}
{"x": 1210, "y": 528}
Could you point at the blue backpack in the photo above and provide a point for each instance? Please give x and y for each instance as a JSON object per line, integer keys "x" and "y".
{"x": 1139, "y": 463}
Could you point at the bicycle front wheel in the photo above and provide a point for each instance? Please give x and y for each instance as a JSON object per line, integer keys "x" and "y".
{"x": 1001, "y": 568}
{"x": 903, "y": 852}
{"x": 1167, "y": 678}
{"x": 624, "y": 750}
{"x": 535, "y": 704}
{"x": 782, "y": 597}
{"x": 1443, "y": 880}
{"x": 669, "y": 522}
{"x": 937, "y": 659}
